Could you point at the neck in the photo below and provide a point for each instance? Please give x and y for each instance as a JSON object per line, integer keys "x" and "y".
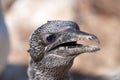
{"x": 38, "y": 72}
{"x": 52, "y": 75}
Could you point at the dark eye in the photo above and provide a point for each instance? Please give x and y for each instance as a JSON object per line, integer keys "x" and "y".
{"x": 50, "y": 38}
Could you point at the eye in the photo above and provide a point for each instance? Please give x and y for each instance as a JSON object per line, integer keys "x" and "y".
{"x": 50, "y": 37}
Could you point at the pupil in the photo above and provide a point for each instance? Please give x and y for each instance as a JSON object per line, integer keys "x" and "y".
{"x": 50, "y": 38}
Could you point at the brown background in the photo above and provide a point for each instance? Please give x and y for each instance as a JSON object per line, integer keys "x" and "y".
{"x": 100, "y": 17}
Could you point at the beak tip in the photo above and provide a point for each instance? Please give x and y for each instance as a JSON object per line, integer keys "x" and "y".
{"x": 98, "y": 41}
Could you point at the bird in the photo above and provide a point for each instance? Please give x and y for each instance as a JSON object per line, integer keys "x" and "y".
{"x": 53, "y": 48}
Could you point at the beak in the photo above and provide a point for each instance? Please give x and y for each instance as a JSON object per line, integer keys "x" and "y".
{"x": 86, "y": 36}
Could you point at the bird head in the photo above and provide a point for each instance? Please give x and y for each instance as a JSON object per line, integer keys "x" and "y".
{"x": 57, "y": 41}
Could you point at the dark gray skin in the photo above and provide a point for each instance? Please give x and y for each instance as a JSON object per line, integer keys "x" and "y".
{"x": 53, "y": 48}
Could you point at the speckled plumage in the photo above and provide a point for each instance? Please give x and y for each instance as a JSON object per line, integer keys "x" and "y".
{"x": 53, "y": 48}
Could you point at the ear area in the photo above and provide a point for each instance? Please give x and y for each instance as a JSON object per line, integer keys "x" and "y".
{"x": 35, "y": 56}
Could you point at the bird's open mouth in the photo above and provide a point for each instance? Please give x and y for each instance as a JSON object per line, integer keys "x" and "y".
{"x": 74, "y": 46}
{"x": 71, "y": 45}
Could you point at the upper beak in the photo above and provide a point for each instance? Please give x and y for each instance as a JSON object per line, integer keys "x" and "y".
{"x": 86, "y": 36}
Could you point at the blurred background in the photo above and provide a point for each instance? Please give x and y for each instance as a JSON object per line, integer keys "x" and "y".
{"x": 18, "y": 18}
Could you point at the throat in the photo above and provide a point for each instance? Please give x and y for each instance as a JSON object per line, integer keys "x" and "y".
{"x": 49, "y": 74}
{"x": 38, "y": 71}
